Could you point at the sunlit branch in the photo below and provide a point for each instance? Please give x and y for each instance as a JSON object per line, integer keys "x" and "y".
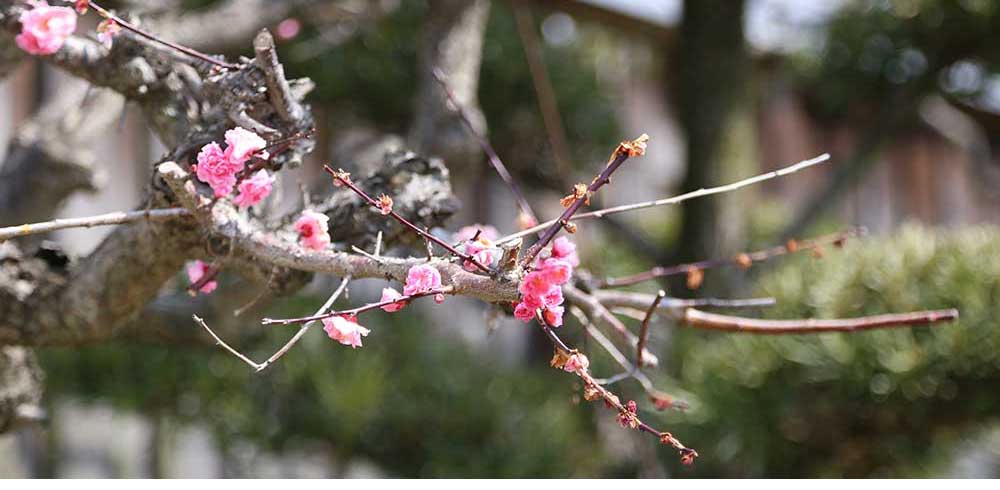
{"x": 116, "y": 218}
{"x": 676, "y": 199}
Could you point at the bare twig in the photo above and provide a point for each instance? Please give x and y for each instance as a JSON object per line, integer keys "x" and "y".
{"x": 742, "y": 260}
{"x": 624, "y": 150}
{"x": 594, "y": 309}
{"x": 674, "y": 200}
{"x": 224, "y": 345}
{"x": 713, "y": 321}
{"x": 305, "y": 328}
{"x": 152, "y": 37}
{"x": 491, "y": 154}
{"x": 543, "y": 89}
{"x": 258, "y": 367}
{"x": 116, "y": 218}
{"x": 644, "y": 329}
{"x": 358, "y": 310}
{"x": 346, "y": 180}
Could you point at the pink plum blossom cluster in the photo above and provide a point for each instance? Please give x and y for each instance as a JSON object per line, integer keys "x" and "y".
{"x": 220, "y": 168}
{"x": 477, "y": 241}
{"x": 541, "y": 288}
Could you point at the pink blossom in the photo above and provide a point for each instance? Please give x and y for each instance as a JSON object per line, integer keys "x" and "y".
{"x": 106, "y": 32}
{"x": 485, "y": 231}
{"x": 389, "y": 294}
{"x": 563, "y": 248}
{"x": 254, "y": 189}
{"x": 288, "y": 28}
{"x": 553, "y": 316}
{"x": 195, "y": 271}
{"x": 421, "y": 278}
{"x": 479, "y": 251}
{"x": 243, "y": 144}
{"x": 439, "y": 298}
{"x": 44, "y": 29}
{"x": 216, "y": 170}
{"x": 577, "y": 363}
{"x": 345, "y": 330}
{"x": 555, "y": 271}
{"x": 552, "y": 297}
{"x": 313, "y": 230}
{"x": 524, "y": 312}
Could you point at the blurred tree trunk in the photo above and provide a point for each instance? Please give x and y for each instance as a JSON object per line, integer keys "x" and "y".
{"x": 712, "y": 72}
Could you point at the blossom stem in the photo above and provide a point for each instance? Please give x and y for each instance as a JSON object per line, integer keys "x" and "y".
{"x": 152, "y": 37}
{"x": 757, "y": 256}
{"x": 423, "y": 233}
{"x": 358, "y": 310}
{"x": 491, "y": 154}
{"x": 600, "y": 213}
{"x": 621, "y": 154}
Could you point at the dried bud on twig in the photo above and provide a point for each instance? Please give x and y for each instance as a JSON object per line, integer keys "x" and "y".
{"x": 743, "y": 260}
{"x": 694, "y": 277}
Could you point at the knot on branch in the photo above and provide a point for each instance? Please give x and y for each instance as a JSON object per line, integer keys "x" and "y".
{"x": 419, "y": 187}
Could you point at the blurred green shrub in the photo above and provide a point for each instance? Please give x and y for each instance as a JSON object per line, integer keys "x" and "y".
{"x": 879, "y": 403}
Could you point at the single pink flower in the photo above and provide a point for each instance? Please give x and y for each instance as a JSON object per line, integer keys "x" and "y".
{"x": 44, "y": 29}
{"x": 552, "y": 297}
{"x": 577, "y": 363}
{"x": 106, "y": 32}
{"x": 421, "y": 278}
{"x": 243, "y": 144}
{"x": 389, "y": 294}
{"x": 345, "y": 330}
{"x": 216, "y": 170}
{"x": 555, "y": 271}
{"x": 254, "y": 189}
{"x": 553, "y": 316}
{"x": 627, "y": 418}
{"x": 535, "y": 284}
{"x": 479, "y": 251}
{"x": 485, "y": 231}
{"x": 524, "y": 312}
{"x": 313, "y": 230}
{"x": 195, "y": 271}
{"x": 563, "y": 248}
{"x": 288, "y": 28}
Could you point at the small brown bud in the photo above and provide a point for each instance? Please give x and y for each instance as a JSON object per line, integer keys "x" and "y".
{"x": 743, "y": 260}
{"x": 636, "y": 147}
{"x": 694, "y": 277}
{"x": 525, "y": 221}
{"x": 340, "y": 177}
{"x": 792, "y": 245}
{"x": 818, "y": 252}
{"x": 559, "y": 359}
{"x": 570, "y": 227}
{"x": 591, "y": 393}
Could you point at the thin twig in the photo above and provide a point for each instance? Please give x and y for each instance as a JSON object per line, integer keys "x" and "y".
{"x": 644, "y": 329}
{"x": 543, "y": 89}
{"x": 712, "y": 321}
{"x": 116, "y": 218}
{"x": 305, "y": 328}
{"x": 674, "y": 200}
{"x": 491, "y": 154}
{"x": 741, "y": 260}
{"x": 345, "y": 180}
{"x": 152, "y": 37}
{"x": 358, "y": 310}
{"x": 224, "y": 345}
{"x": 594, "y": 309}
{"x": 624, "y": 150}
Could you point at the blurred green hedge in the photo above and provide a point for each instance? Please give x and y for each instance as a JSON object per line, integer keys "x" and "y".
{"x": 878, "y": 403}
